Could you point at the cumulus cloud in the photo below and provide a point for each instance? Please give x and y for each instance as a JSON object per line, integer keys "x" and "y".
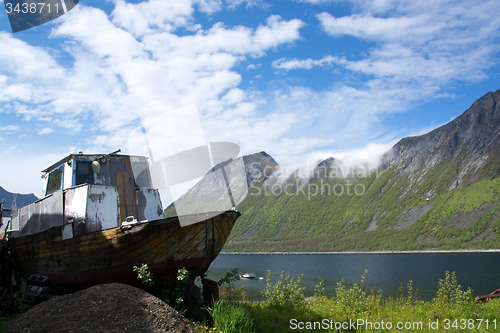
{"x": 9, "y": 129}
{"x": 316, "y": 2}
{"x": 416, "y": 50}
{"x": 46, "y": 130}
{"x": 213, "y": 6}
{"x": 151, "y": 16}
{"x": 309, "y": 63}
{"x": 131, "y": 65}
{"x": 435, "y": 43}
{"x": 27, "y": 62}
{"x": 414, "y": 43}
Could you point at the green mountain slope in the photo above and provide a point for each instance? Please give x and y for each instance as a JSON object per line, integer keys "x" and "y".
{"x": 436, "y": 191}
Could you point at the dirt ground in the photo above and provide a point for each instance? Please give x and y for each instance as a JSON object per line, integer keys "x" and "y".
{"x": 103, "y": 308}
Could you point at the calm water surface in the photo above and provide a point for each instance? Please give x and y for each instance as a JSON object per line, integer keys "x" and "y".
{"x": 386, "y": 271}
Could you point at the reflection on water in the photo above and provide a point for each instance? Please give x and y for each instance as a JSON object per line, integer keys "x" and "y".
{"x": 386, "y": 271}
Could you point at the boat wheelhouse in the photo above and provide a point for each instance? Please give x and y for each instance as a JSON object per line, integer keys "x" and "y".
{"x": 84, "y": 193}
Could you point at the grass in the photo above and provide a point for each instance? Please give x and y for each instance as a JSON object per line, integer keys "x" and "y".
{"x": 357, "y": 309}
{"x": 354, "y": 309}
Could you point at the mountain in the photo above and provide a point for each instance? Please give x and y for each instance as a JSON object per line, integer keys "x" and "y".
{"x": 436, "y": 191}
{"x": 471, "y": 140}
{"x": 210, "y": 191}
{"x": 21, "y": 199}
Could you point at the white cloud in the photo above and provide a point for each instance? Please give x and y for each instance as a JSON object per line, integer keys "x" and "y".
{"x": 309, "y": 63}
{"x": 416, "y": 49}
{"x": 419, "y": 42}
{"x": 46, "y": 130}
{"x": 163, "y": 71}
{"x": 213, "y": 6}
{"x": 9, "y": 129}
{"x": 370, "y": 154}
{"x": 316, "y": 2}
{"x": 151, "y": 16}
{"x": 194, "y": 27}
{"x": 253, "y": 66}
{"x": 27, "y": 62}
{"x": 344, "y": 116}
{"x": 361, "y": 162}
{"x": 235, "y": 41}
{"x": 125, "y": 70}
{"x": 210, "y": 6}
{"x": 392, "y": 28}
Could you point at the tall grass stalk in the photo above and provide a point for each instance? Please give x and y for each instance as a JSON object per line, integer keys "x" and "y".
{"x": 231, "y": 318}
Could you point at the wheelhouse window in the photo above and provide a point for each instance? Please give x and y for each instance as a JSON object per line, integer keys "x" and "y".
{"x": 55, "y": 181}
{"x": 84, "y": 172}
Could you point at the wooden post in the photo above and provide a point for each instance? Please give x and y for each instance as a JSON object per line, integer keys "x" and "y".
{"x": 1, "y": 213}
{"x": 210, "y": 296}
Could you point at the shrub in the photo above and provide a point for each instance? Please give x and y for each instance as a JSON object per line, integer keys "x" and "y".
{"x": 144, "y": 274}
{"x": 174, "y": 292}
{"x": 450, "y": 292}
{"x": 355, "y": 300}
{"x": 229, "y": 278}
{"x": 412, "y": 296}
{"x": 286, "y": 293}
{"x": 319, "y": 289}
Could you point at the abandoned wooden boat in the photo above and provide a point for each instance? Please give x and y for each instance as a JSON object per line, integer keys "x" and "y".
{"x": 96, "y": 221}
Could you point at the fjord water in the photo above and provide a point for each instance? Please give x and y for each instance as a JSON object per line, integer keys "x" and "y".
{"x": 386, "y": 271}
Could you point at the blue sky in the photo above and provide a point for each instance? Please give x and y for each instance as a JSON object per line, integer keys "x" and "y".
{"x": 300, "y": 80}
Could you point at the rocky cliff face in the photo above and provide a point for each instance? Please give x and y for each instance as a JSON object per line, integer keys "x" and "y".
{"x": 469, "y": 139}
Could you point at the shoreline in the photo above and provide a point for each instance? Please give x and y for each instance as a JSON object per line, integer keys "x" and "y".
{"x": 368, "y": 252}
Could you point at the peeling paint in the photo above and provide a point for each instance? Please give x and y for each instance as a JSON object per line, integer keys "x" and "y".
{"x": 148, "y": 205}
{"x": 102, "y": 209}
{"x": 75, "y": 204}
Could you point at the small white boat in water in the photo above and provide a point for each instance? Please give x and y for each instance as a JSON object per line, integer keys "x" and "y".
{"x": 248, "y": 276}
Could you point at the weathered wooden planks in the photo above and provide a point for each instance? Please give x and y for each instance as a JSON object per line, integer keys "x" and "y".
{"x": 95, "y": 257}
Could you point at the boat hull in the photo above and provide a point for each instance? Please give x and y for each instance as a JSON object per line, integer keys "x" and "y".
{"x": 110, "y": 255}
